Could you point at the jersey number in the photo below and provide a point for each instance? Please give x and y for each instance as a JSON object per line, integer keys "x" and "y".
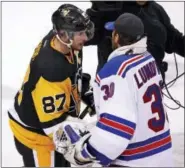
{"x": 108, "y": 91}
{"x": 49, "y": 103}
{"x": 156, "y": 107}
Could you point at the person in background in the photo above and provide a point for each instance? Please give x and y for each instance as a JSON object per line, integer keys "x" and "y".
{"x": 51, "y": 91}
{"x": 161, "y": 34}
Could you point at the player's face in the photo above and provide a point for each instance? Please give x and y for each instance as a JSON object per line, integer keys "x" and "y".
{"x": 115, "y": 43}
{"x": 79, "y": 40}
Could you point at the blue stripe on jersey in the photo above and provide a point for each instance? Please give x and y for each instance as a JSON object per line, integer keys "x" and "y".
{"x": 148, "y": 141}
{"x": 104, "y": 160}
{"x": 135, "y": 64}
{"x": 118, "y": 119}
{"x": 112, "y": 66}
{"x": 146, "y": 154}
{"x": 150, "y": 152}
{"x": 113, "y": 130}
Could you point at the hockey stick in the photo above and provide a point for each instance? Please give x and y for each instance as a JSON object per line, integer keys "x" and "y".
{"x": 87, "y": 110}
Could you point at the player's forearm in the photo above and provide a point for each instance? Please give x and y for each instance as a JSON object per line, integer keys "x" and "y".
{"x": 109, "y": 138}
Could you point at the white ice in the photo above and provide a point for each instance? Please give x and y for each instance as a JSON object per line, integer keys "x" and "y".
{"x": 23, "y": 26}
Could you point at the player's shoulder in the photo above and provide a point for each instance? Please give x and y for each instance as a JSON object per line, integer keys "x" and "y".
{"x": 154, "y": 4}
{"x": 121, "y": 64}
{"x": 156, "y": 7}
{"x": 113, "y": 65}
{"x": 53, "y": 69}
{"x": 51, "y": 64}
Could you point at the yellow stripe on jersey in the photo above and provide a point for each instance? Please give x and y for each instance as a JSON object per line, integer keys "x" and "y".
{"x": 20, "y": 97}
{"x": 37, "y": 50}
{"x": 31, "y": 139}
{"x": 51, "y": 99}
{"x": 44, "y": 158}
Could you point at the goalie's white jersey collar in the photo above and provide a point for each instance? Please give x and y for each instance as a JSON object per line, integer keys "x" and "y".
{"x": 137, "y": 48}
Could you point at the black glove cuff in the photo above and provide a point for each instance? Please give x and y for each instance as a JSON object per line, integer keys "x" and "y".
{"x": 86, "y": 78}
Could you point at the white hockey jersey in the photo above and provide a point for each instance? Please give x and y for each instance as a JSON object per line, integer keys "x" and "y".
{"x": 132, "y": 128}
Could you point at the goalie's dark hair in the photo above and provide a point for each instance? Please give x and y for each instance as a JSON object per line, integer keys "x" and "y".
{"x": 127, "y": 39}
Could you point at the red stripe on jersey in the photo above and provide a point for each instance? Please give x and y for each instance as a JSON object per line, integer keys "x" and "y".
{"x": 147, "y": 147}
{"x": 118, "y": 126}
{"x": 130, "y": 61}
{"x": 98, "y": 78}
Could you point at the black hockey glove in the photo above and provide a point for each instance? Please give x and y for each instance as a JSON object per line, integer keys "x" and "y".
{"x": 86, "y": 78}
{"x": 164, "y": 66}
{"x": 87, "y": 94}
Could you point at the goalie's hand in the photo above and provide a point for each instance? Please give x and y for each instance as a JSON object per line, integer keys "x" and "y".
{"x": 71, "y": 140}
{"x": 59, "y": 137}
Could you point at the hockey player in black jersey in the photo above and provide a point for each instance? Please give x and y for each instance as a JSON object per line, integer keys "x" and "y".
{"x": 51, "y": 90}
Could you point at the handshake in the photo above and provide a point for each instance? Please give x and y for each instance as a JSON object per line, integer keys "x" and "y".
{"x": 71, "y": 140}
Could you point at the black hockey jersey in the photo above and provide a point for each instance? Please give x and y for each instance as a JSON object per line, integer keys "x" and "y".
{"x": 49, "y": 93}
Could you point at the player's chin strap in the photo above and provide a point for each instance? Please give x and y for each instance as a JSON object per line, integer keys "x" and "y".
{"x": 67, "y": 44}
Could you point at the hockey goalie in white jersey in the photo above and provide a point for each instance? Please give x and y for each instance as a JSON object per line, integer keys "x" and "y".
{"x": 132, "y": 127}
